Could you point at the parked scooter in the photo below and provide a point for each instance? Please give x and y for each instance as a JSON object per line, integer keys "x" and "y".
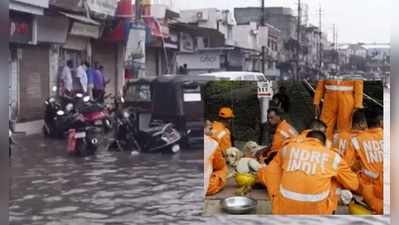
{"x": 135, "y": 133}
{"x": 82, "y": 139}
{"x": 57, "y": 117}
{"x": 94, "y": 112}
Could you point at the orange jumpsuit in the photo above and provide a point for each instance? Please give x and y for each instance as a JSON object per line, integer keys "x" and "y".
{"x": 216, "y": 169}
{"x": 284, "y": 131}
{"x": 222, "y": 135}
{"x": 340, "y": 99}
{"x": 369, "y": 149}
{"x": 305, "y": 186}
{"x": 342, "y": 141}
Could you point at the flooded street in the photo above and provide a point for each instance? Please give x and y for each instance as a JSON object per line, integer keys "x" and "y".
{"x": 50, "y": 187}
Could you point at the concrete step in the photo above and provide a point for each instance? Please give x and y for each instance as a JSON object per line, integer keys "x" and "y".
{"x": 29, "y": 128}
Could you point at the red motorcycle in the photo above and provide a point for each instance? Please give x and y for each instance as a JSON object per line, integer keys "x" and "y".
{"x": 95, "y": 113}
{"x": 82, "y": 140}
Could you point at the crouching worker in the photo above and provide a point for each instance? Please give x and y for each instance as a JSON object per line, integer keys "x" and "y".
{"x": 306, "y": 171}
{"x": 369, "y": 149}
{"x": 220, "y": 129}
{"x": 215, "y": 168}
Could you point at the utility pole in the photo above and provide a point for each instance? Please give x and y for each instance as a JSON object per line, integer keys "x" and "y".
{"x": 320, "y": 45}
{"x": 263, "y": 46}
{"x": 335, "y": 46}
{"x": 298, "y": 39}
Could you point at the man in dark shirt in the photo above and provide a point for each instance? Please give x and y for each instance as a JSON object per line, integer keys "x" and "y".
{"x": 284, "y": 99}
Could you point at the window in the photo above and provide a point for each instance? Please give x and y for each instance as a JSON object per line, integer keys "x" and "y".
{"x": 261, "y": 78}
{"x": 138, "y": 93}
{"x": 249, "y": 77}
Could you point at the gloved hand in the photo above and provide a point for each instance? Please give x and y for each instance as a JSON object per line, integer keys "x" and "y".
{"x": 346, "y": 196}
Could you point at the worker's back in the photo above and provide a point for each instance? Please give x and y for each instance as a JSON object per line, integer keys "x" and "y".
{"x": 342, "y": 141}
{"x": 307, "y": 171}
{"x": 370, "y": 149}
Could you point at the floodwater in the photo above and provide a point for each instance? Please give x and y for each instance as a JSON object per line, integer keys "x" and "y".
{"x": 48, "y": 187}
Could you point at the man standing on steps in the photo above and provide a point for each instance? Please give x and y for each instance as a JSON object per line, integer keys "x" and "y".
{"x": 341, "y": 99}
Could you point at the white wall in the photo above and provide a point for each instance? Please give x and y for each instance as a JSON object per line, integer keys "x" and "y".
{"x": 244, "y": 38}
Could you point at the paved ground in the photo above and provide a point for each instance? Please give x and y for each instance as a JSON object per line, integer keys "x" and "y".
{"x": 259, "y": 193}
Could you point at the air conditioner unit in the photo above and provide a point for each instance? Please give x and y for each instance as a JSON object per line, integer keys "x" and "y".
{"x": 202, "y": 16}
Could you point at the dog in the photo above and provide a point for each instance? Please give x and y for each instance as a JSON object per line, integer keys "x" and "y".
{"x": 248, "y": 165}
{"x": 232, "y": 156}
{"x": 239, "y": 164}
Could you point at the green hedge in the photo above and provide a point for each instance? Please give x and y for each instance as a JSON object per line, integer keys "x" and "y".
{"x": 242, "y": 97}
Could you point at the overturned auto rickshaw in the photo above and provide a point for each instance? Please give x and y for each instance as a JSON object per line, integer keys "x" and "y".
{"x": 172, "y": 99}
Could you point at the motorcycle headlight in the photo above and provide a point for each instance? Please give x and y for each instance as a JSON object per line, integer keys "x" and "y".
{"x": 60, "y": 113}
{"x": 126, "y": 114}
{"x": 69, "y": 107}
{"x": 51, "y": 100}
{"x": 79, "y": 95}
{"x": 86, "y": 98}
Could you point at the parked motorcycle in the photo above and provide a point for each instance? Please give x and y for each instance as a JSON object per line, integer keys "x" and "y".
{"x": 94, "y": 112}
{"x": 137, "y": 132}
{"x": 57, "y": 117}
{"x": 82, "y": 140}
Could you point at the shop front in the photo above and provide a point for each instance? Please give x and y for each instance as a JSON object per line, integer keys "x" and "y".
{"x": 29, "y": 68}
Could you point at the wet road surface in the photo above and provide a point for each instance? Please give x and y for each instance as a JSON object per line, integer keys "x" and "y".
{"x": 50, "y": 187}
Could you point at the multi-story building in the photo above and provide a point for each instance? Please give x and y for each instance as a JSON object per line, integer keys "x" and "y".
{"x": 47, "y": 33}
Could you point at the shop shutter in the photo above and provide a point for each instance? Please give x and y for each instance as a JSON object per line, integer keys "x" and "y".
{"x": 34, "y": 82}
{"x": 151, "y": 62}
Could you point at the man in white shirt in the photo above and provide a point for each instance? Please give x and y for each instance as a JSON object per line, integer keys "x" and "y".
{"x": 82, "y": 75}
{"x": 66, "y": 78}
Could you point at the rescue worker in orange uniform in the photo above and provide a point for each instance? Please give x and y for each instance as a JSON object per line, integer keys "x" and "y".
{"x": 369, "y": 150}
{"x": 307, "y": 169}
{"x": 283, "y": 130}
{"x": 342, "y": 141}
{"x": 220, "y": 129}
{"x": 215, "y": 168}
{"x": 341, "y": 99}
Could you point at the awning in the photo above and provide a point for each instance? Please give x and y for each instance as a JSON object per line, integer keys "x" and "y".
{"x": 80, "y": 18}
{"x": 26, "y": 8}
{"x": 155, "y": 27}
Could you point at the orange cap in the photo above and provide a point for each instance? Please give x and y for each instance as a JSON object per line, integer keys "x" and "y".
{"x": 226, "y": 112}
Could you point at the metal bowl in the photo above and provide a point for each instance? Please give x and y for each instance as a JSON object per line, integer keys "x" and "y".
{"x": 238, "y": 204}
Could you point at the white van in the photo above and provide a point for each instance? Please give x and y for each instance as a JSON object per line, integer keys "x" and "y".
{"x": 241, "y": 75}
